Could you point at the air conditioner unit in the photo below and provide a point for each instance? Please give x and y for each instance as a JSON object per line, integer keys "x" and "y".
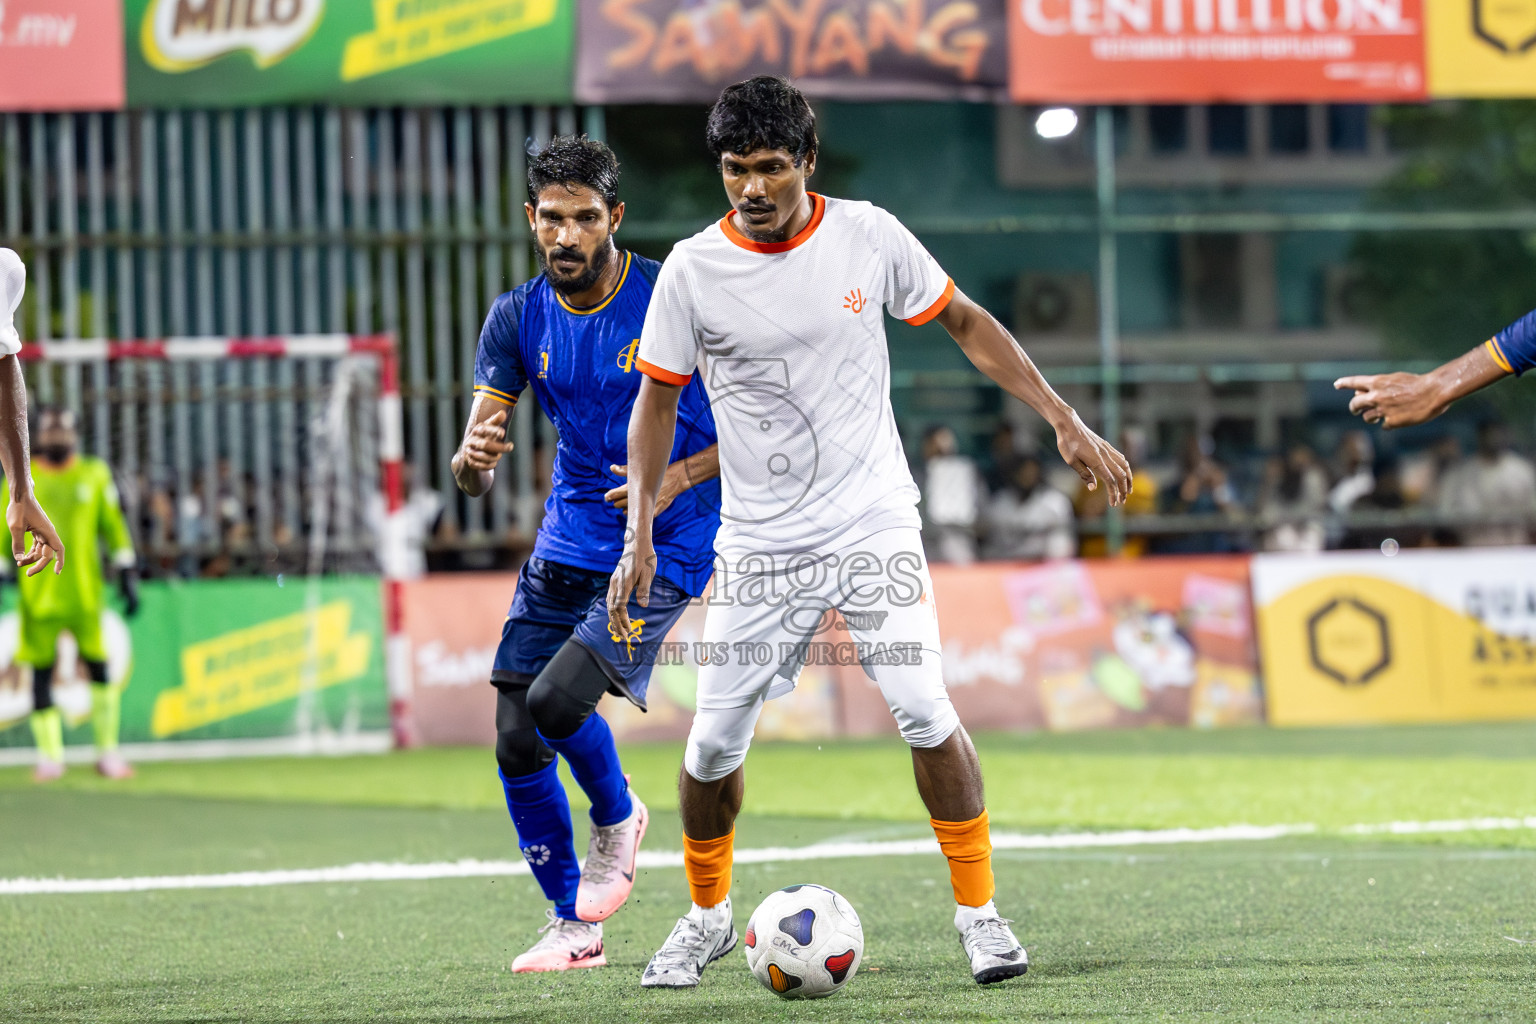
{"x": 1346, "y": 297}
{"x": 1055, "y": 303}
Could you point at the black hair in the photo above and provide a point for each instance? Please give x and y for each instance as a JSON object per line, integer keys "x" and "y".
{"x": 575, "y": 161}
{"x": 765, "y": 112}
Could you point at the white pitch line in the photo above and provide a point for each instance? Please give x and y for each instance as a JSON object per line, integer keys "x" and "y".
{"x": 469, "y": 868}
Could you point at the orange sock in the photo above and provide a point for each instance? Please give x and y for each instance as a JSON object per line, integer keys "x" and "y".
{"x": 968, "y": 845}
{"x": 707, "y": 863}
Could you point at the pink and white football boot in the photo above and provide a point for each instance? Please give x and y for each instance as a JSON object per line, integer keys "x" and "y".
{"x": 566, "y": 945}
{"x": 112, "y": 765}
{"x": 48, "y": 771}
{"x": 609, "y": 873}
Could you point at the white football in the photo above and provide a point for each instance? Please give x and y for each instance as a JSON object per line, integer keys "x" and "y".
{"x": 804, "y": 942}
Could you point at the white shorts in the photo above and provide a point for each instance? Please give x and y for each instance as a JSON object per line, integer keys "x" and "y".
{"x": 765, "y": 621}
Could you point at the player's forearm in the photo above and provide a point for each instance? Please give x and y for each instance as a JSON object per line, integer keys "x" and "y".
{"x": 14, "y": 446}
{"x": 992, "y": 350}
{"x": 692, "y": 470}
{"x": 1463, "y": 375}
{"x": 473, "y": 482}
{"x": 652, "y": 424}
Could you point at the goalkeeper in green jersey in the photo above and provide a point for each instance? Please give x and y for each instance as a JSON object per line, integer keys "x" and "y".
{"x": 80, "y": 492}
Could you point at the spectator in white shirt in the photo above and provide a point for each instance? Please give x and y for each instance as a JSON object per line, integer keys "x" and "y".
{"x": 1029, "y": 518}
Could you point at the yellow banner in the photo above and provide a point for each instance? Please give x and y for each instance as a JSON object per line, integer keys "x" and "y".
{"x": 409, "y": 33}
{"x": 1350, "y": 648}
{"x": 1481, "y": 47}
{"x": 253, "y": 668}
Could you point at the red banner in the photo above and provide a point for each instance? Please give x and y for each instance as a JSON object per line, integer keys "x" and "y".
{"x": 61, "y": 55}
{"x": 1201, "y": 51}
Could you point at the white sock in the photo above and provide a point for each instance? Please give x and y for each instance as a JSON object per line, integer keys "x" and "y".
{"x": 967, "y": 916}
{"x": 711, "y": 916}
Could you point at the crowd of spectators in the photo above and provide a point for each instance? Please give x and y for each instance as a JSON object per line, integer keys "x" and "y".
{"x": 1019, "y": 502}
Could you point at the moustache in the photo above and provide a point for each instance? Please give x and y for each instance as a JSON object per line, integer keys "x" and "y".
{"x": 751, "y": 207}
{"x": 560, "y": 251}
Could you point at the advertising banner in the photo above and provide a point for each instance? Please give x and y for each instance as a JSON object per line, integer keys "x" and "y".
{"x": 221, "y": 659}
{"x": 1482, "y": 48}
{"x": 1425, "y": 636}
{"x": 1064, "y": 645}
{"x": 1202, "y": 51}
{"x": 225, "y": 53}
{"x": 61, "y": 55}
{"x": 686, "y": 51}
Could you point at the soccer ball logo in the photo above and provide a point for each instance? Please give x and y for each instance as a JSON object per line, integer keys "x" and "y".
{"x": 804, "y": 942}
{"x": 536, "y": 855}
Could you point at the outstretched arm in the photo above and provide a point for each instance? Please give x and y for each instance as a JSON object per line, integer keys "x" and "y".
{"x": 994, "y": 352}
{"x": 23, "y": 514}
{"x": 1405, "y": 399}
{"x": 652, "y": 423}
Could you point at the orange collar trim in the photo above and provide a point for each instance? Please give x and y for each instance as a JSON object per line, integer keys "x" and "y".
{"x": 819, "y": 210}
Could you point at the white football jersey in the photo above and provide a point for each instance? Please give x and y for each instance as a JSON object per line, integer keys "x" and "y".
{"x": 791, "y": 339}
{"x": 13, "y": 285}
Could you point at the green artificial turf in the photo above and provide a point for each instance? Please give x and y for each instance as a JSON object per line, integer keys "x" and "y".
{"x": 1321, "y": 927}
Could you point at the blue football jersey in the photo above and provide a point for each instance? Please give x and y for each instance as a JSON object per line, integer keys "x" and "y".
{"x": 580, "y": 363}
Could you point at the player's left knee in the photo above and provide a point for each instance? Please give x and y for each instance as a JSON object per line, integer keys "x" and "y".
{"x": 565, "y": 694}
{"x": 927, "y": 722}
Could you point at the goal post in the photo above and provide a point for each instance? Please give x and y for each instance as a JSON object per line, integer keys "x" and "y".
{"x": 215, "y": 428}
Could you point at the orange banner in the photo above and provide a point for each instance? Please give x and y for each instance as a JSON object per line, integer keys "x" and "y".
{"x": 1202, "y": 51}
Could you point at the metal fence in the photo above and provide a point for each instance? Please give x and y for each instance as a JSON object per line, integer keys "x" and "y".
{"x": 250, "y": 223}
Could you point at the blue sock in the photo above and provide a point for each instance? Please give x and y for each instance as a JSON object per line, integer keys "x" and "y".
{"x": 595, "y": 762}
{"x": 542, "y": 816}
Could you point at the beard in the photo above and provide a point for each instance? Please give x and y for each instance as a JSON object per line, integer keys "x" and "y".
{"x": 55, "y": 453}
{"x": 586, "y": 278}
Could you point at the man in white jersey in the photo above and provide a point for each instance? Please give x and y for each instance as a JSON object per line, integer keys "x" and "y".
{"x": 781, "y": 306}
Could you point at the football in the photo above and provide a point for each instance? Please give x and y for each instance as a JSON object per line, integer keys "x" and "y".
{"x": 804, "y": 942}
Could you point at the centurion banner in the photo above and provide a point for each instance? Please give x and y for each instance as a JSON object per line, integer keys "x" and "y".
{"x": 61, "y": 54}
{"x": 1424, "y": 636}
{"x": 199, "y": 53}
{"x": 1200, "y": 51}
{"x": 686, "y": 51}
{"x": 222, "y": 659}
{"x": 1482, "y": 48}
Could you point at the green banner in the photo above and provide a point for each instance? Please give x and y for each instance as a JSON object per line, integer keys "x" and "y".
{"x": 223, "y": 659}
{"x": 225, "y": 53}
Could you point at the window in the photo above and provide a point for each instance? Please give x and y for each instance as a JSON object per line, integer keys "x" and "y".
{"x": 1349, "y": 127}
{"x": 1288, "y": 129}
{"x": 1169, "y": 128}
{"x": 1228, "y": 125}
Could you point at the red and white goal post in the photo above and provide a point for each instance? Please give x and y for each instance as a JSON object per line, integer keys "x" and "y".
{"x": 160, "y": 411}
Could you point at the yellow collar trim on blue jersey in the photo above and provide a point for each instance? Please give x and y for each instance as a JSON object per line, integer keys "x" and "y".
{"x": 589, "y": 310}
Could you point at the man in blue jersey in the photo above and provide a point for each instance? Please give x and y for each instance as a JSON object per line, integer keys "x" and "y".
{"x": 571, "y": 336}
{"x": 1405, "y": 399}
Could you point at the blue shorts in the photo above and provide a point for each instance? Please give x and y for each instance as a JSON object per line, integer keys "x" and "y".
{"x": 555, "y": 603}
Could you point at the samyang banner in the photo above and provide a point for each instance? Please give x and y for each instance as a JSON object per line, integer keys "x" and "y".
{"x": 1203, "y": 51}
{"x": 1482, "y": 48}
{"x": 61, "y": 55}
{"x": 686, "y": 51}
{"x": 222, "y": 53}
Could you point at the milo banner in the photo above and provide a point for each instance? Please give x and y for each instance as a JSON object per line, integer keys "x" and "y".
{"x": 685, "y": 51}
{"x": 1065, "y": 645}
{"x": 1424, "y": 636}
{"x": 1482, "y": 47}
{"x": 221, "y": 659}
{"x": 194, "y": 53}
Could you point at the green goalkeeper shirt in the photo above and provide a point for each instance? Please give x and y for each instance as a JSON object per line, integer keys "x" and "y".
{"x": 81, "y": 500}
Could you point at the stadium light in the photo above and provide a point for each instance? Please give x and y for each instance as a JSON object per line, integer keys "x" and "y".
{"x": 1056, "y": 122}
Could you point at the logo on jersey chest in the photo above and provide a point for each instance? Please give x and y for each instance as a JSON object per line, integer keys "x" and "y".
{"x": 627, "y": 355}
{"x": 855, "y": 301}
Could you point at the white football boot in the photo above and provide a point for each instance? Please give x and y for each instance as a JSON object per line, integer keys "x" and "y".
{"x": 566, "y": 945}
{"x": 609, "y": 873}
{"x": 697, "y": 941}
{"x": 990, "y": 944}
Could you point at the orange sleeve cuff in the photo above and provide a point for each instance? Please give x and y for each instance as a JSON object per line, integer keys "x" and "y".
{"x": 664, "y": 375}
{"x": 1492, "y": 345}
{"x": 938, "y": 306}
